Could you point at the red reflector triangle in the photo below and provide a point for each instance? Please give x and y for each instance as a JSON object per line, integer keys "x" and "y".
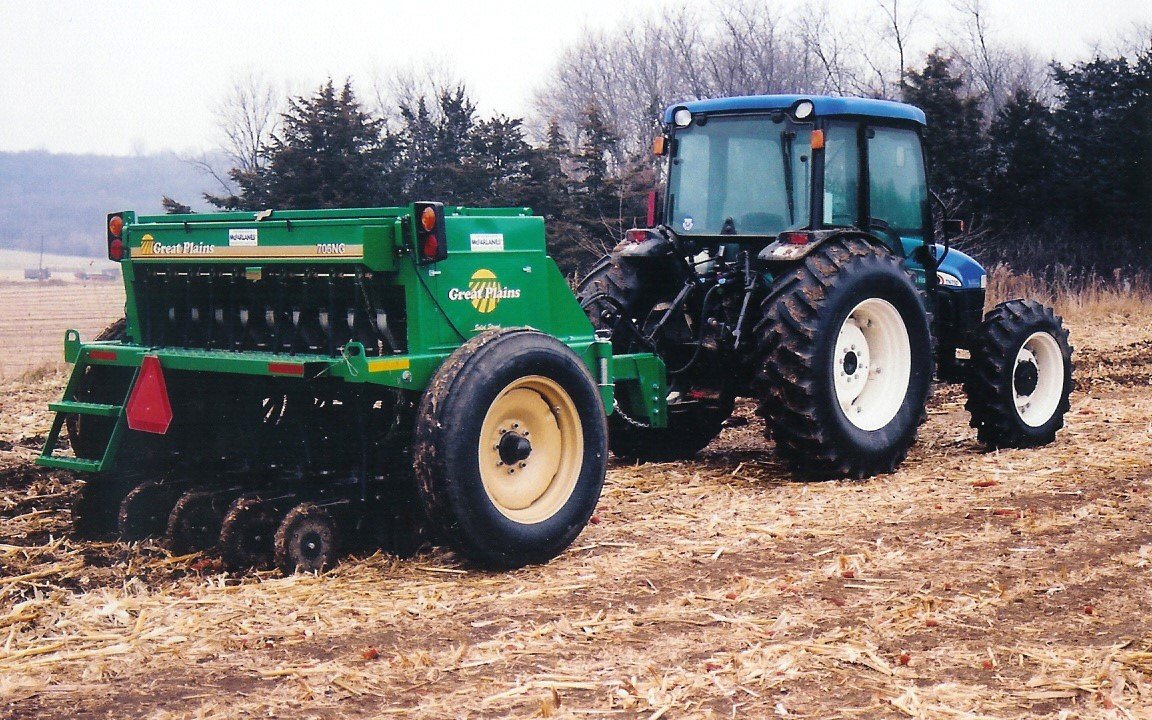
{"x": 148, "y": 406}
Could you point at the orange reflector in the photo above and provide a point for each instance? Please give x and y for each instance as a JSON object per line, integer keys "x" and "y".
{"x": 101, "y": 355}
{"x": 286, "y": 368}
{"x": 428, "y": 219}
{"x": 658, "y": 145}
{"x": 817, "y": 139}
{"x": 116, "y": 225}
{"x": 148, "y": 407}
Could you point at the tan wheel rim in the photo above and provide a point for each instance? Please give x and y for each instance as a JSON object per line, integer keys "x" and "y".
{"x": 531, "y": 449}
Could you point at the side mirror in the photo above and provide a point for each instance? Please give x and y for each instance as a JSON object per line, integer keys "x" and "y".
{"x": 953, "y": 227}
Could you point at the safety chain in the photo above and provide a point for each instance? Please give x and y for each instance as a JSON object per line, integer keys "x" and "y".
{"x": 628, "y": 419}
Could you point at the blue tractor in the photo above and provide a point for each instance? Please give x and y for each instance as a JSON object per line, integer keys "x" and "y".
{"x": 794, "y": 259}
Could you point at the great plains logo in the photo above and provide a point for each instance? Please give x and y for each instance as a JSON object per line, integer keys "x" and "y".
{"x": 150, "y": 246}
{"x": 484, "y": 291}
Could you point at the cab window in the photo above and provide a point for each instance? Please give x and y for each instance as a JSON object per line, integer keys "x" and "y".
{"x": 897, "y": 189}
{"x": 841, "y": 174}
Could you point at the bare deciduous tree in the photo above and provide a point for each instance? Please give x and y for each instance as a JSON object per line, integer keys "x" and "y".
{"x": 247, "y": 117}
{"x": 632, "y": 73}
{"x": 992, "y": 69}
{"x": 393, "y": 88}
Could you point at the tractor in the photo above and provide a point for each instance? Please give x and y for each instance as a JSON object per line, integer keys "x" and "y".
{"x": 795, "y": 260}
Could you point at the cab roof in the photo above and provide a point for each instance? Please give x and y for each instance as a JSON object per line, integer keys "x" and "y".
{"x": 825, "y": 106}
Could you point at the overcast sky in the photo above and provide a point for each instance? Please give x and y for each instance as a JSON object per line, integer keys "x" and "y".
{"x": 123, "y": 77}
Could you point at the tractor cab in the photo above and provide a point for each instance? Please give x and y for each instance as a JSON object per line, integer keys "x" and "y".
{"x": 769, "y": 169}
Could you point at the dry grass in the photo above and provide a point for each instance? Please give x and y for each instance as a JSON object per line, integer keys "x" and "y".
{"x": 966, "y": 585}
{"x": 1091, "y": 296}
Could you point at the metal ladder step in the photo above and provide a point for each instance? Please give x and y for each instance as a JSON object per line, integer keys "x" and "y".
{"x": 68, "y": 463}
{"x": 73, "y": 407}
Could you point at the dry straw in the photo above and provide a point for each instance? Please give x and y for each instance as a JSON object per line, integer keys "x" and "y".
{"x": 967, "y": 585}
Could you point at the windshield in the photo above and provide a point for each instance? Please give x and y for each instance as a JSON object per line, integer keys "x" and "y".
{"x": 739, "y": 175}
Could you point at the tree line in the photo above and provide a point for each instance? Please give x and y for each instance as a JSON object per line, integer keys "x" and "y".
{"x": 1050, "y": 164}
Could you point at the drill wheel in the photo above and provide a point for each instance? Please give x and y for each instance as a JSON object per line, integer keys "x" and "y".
{"x": 246, "y": 535}
{"x": 306, "y": 540}
{"x": 96, "y": 508}
{"x": 144, "y": 511}
{"x": 398, "y": 527}
{"x": 195, "y": 521}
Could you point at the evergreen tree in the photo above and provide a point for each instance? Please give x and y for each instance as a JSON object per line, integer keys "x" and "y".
{"x": 329, "y": 153}
{"x": 174, "y": 207}
{"x": 954, "y": 137}
{"x": 436, "y": 148}
{"x": 598, "y": 191}
{"x": 1103, "y": 129}
{"x": 1023, "y": 160}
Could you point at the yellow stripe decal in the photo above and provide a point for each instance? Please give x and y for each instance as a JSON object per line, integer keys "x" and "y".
{"x": 386, "y": 364}
{"x": 207, "y": 252}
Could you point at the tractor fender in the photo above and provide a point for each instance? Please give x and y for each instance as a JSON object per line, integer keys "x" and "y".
{"x": 781, "y": 251}
{"x": 653, "y": 247}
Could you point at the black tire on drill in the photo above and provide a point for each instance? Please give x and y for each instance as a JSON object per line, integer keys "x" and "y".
{"x": 307, "y": 540}
{"x": 797, "y": 337}
{"x": 1001, "y": 378}
{"x": 611, "y": 294}
{"x": 510, "y": 448}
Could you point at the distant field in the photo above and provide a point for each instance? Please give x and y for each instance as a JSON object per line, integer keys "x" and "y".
{"x": 34, "y": 316}
{"x": 63, "y": 267}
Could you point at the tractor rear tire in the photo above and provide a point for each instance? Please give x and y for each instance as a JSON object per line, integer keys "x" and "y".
{"x": 612, "y": 294}
{"x": 845, "y": 362}
{"x": 510, "y": 448}
{"x": 1020, "y": 376}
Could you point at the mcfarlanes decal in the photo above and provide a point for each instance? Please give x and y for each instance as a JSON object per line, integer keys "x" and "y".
{"x": 152, "y": 249}
{"x": 484, "y": 291}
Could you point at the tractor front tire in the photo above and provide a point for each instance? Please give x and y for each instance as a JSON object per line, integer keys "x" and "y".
{"x": 845, "y": 362}
{"x": 615, "y": 299}
{"x": 1020, "y": 376}
{"x": 510, "y": 448}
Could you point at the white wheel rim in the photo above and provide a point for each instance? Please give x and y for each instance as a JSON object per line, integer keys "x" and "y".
{"x": 872, "y": 364}
{"x": 1037, "y": 379}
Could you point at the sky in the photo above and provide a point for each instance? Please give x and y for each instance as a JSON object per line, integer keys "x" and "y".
{"x": 127, "y": 77}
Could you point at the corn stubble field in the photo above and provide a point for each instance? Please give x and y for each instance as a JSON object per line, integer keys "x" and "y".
{"x": 968, "y": 584}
